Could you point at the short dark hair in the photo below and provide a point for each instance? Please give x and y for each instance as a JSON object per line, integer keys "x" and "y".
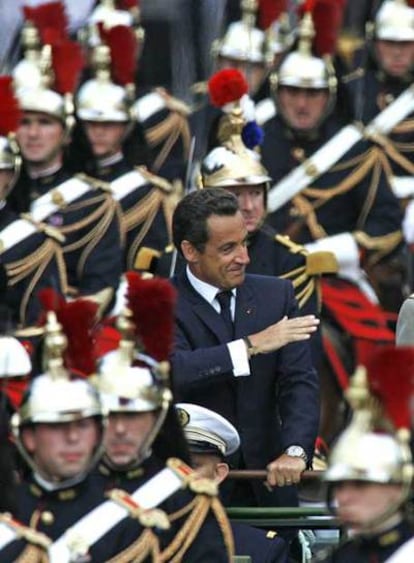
{"x": 191, "y": 214}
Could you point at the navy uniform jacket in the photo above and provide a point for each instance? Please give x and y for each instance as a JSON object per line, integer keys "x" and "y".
{"x": 53, "y": 512}
{"x": 378, "y": 548}
{"x": 261, "y": 546}
{"x": 278, "y": 404}
{"x": 367, "y": 205}
{"x": 144, "y": 217}
{"x": 208, "y": 545}
{"x": 92, "y": 230}
{"x": 32, "y": 264}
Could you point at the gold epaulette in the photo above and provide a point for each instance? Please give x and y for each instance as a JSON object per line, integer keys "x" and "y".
{"x": 290, "y": 245}
{"x": 95, "y": 183}
{"x": 321, "y": 262}
{"x": 29, "y": 534}
{"x": 157, "y": 181}
{"x": 144, "y": 258}
{"x": 48, "y": 230}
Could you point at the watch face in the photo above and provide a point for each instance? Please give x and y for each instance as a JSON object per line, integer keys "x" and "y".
{"x": 295, "y": 451}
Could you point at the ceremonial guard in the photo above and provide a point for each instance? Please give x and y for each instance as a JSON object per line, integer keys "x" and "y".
{"x": 47, "y": 190}
{"x": 144, "y": 439}
{"x": 330, "y": 192}
{"x": 383, "y": 98}
{"x": 29, "y": 251}
{"x": 16, "y": 540}
{"x": 104, "y": 111}
{"x": 370, "y": 469}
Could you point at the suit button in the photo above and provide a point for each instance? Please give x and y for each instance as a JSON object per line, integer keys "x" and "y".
{"x": 47, "y": 518}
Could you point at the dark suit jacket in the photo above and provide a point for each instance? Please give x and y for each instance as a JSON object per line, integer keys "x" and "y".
{"x": 278, "y": 404}
{"x": 258, "y": 544}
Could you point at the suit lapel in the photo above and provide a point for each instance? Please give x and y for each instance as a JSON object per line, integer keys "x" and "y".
{"x": 203, "y": 310}
{"x": 246, "y": 311}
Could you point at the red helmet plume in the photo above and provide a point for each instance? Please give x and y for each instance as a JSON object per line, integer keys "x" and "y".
{"x": 227, "y": 85}
{"x": 152, "y": 303}
{"x": 270, "y": 11}
{"x": 78, "y": 319}
{"x": 391, "y": 378}
{"x": 123, "y": 44}
{"x": 10, "y": 113}
{"x": 327, "y": 18}
{"x": 68, "y": 63}
{"x": 50, "y": 19}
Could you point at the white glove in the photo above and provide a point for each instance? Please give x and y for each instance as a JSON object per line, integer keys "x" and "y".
{"x": 346, "y": 251}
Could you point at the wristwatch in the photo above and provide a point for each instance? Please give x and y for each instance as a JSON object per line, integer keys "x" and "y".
{"x": 297, "y": 451}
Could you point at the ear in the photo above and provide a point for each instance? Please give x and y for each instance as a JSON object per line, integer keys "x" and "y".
{"x": 28, "y": 439}
{"x": 189, "y": 251}
{"x": 222, "y": 470}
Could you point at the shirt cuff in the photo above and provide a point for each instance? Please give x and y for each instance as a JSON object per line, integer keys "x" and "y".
{"x": 239, "y": 358}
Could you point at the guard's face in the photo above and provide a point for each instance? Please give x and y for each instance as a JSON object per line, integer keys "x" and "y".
{"x": 251, "y": 204}
{"x": 302, "y": 108}
{"x": 105, "y": 138}
{"x": 125, "y": 435}
{"x": 224, "y": 259}
{"x": 395, "y": 57}
{"x": 62, "y": 450}
{"x": 41, "y": 139}
{"x": 359, "y": 503}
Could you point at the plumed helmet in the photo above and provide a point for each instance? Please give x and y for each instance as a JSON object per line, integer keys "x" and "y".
{"x": 223, "y": 167}
{"x": 394, "y": 21}
{"x": 242, "y": 43}
{"x": 375, "y": 447}
{"x": 14, "y": 358}
{"x": 371, "y": 457}
{"x": 110, "y": 94}
{"x": 56, "y": 397}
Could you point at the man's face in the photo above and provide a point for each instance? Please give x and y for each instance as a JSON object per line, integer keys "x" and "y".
{"x": 302, "y": 108}
{"x": 251, "y": 204}
{"x": 125, "y": 434}
{"x": 105, "y": 137}
{"x": 62, "y": 450}
{"x": 224, "y": 259}
{"x": 358, "y": 503}
{"x": 41, "y": 139}
{"x": 209, "y": 466}
{"x": 395, "y": 57}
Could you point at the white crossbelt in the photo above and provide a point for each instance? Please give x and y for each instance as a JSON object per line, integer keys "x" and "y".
{"x": 49, "y": 203}
{"x": 332, "y": 151}
{"x": 14, "y": 233}
{"x": 7, "y": 535}
{"x": 126, "y": 184}
{"x": 104, "y": 517}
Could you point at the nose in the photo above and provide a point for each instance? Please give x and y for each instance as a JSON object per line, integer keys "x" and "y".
{"x": 72, "y": 433}
{"x": 246, "y": 202}
{"x": 243, "y": 255}
{"x": 118, "y": 425}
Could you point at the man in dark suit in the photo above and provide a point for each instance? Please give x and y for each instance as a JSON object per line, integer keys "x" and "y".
{"x": 254, "y": 367}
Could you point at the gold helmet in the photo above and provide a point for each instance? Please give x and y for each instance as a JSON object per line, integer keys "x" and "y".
{"x": 242, "y": 41}
{"x": 375, "y": 447}
{"x": 56, "y": 396}
{"x": 27, "y": 70}
{"x": 310, "y": 64}
{"x": 394, "y": 21}
{"x": 109, "y": 96}
{"x": 100, "y": 99}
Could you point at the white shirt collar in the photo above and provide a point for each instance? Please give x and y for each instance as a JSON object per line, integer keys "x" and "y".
{"x": 207, "y": 291}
